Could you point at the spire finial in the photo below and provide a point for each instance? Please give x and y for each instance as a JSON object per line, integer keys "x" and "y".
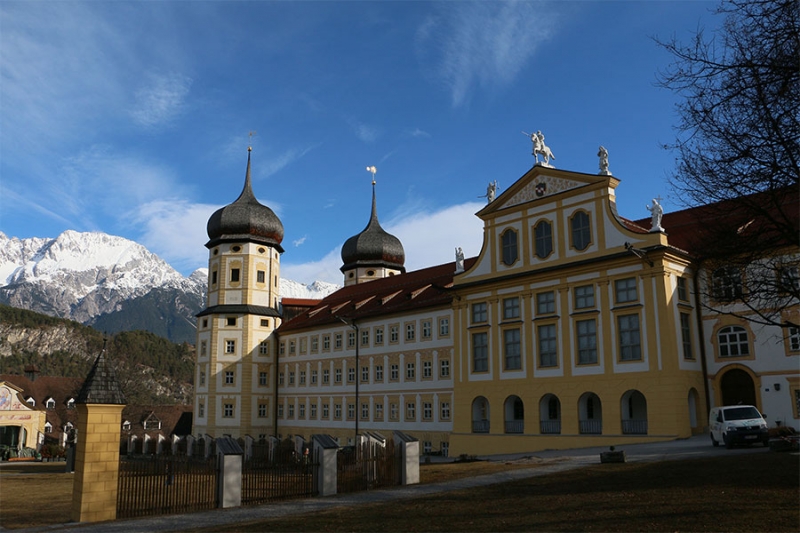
{"x": 373, "y": 170}
{"x": 250, "y": 140}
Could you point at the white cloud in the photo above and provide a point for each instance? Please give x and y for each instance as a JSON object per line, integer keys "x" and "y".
{"x": 364, "y": 132}
{"x": 416, "y": 132}
{"x": 175, "y": 230}
{"x": 300, "y": 241}
{"x": 482, "y": 44}
{"x": 429, "y": 238}
{"x": 161, "y": 99}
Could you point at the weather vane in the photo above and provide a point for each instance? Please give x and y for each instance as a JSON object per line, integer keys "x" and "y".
{"x": 373, "y": 170}
{"x": 250, "y": 140}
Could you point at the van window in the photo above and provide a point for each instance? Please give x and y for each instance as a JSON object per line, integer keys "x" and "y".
{"x": 741, "y": 413}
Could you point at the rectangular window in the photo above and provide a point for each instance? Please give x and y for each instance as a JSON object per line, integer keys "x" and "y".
{"x": 337, "y": 375}
{"x": 393, "y": 411}
{"x": 214, "y": 277}
{"x": 379, "y": 373}
{"x": 480, "y": 352}
{"x": 314, "y": 377}
{"x": 410, "y": 372}
{"x": 303, "y": 345}
{"x": 229, "y": 379}
{"x": 337, "y": 341}
{"x": 683, "y": 292}
{"x": 234, "y": 275}
{"x": 291, "y": 410}
{"x": 427, "y": 447}
{"x": 411, "y": 411}
{"x": 280, "y": 378}
{"x": 444, "y": 327}
{"x": 337, "y": 411}
{"x": 686, "y": 336}
{"x": 444, "y": 368}
{"x": 263, "y": 348}
{"x": 426, "y": 329}
{"x": 301, "y": 411}
{"x": 445, "y": 410}
{"x": 262, "y": 410}
{"x": 512, "y": 349}
{"x": 364, "y": 374}
{"x": 378, "y": 411}
{"x": 351, "y": 339}
{"x": 584, "y": 297}
{"x": 264, "y": 322}
{"x": 313, "y": 415}
{"x": 230, "y": 346}
{"x": 314, "y": 344}
{"x": 587, "y": 341}
{"x": 280, "y": 410}
{"x": 230, "y": 321}
{"x": 282, "y": 348}
{"x": 263, "y": 379}
{"x": 510, "y": 308}
{"x": 427, "y": 369}
{"x": 326, "y": 376}
{"x": 479, "y": 313}
{"x": 260, "y": 276}
{"x": 546, "y": 303}
{"x": 291, "y": 347}
{"x": 351, "y": 411}
{"x": 395, "y": 373}
{"x": 203, "y": 348}
{"x": 411, "y": 332}
{"x": 630, "y": 342}
{"x": 302, "y": 377}
{"x": 427, "y": 411}
{"x": 365, "y": 337}
{"x": 794, "y": 339}
{"x": 393, "y": 333}
{"x": 625, "y": 290}
{"x": 326, "y": 342}
{"x": 378, "y": 335}
{"x": 326, "y": 411}
{"x": 364, "y": 411}
{"x": 548, "y": 354}
{"x": 727, "y": 284}
{"x": 291, "y": 378}
{"x": 201, "y": 411}
{"x": 227, "y": 410}
{"x": 351, "y": 375}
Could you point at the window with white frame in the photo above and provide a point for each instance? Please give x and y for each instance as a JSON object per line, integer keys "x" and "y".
{"x": 444, "y": 408}
{"x": 543, "y": 239}
{"x": 337, "y": 411}
{"x": 364, "y": 411}
{"x": 313, "y": 414}
{"x": 445, "y": 448}
{"x": 510, "y": 251}
{"x": 351, "y": 411}
{"x": 314, "y": 344}
{"x": 479, "y": 313}
{"x": 326, "y": 342}
{"x": 444, "y": 327}
{"x": 280, "y": 378}
{"x": 630, "y": 343}
{"x": 230, "y": 346}
{"x": 546, "y": 303}
{"x": 510, "y": 308}
{"x": 683, "y": 291}
{"x": 511, "y": 349}
{"x": 351, "y": 339}
{"x": 201, "y": 410}
{"x": 395, "y": 372}
{"x": 337, "y": 375}
{"x": 733, "y": 342}
{"x": 291, "y": 378}
{"x": 337, "y": 341}
{"x": 427, "y": 410}
{"x": 726, "y": 283}
{"x": 202, "y": 378}
{"x": 227, "y": 410}
{"x": 326, "y": 376}
{"x": 314, "y": 375}
{"x": 393, "y": 411}
{"x": 580, "y": 230}
{"x": 326, "y": 411}
{"x": 586, "y": 331}
{"x": 584, "y": 297}
{"x": 686, "y": 336}
{"x": 291, "y": 410}
{"x": 444, "y": 368}
{"x": 50, "y": 403}
{"x": 794, "y": 339}
{"x": 379, "y": 373}
{"x": 364, "y": 337}
{"x": 229, "y": 377}
{"x": 262, "y": 410}
{"x": 411, "y": 331}
{"x": 427, "y": 447}
{"x": 378, "y": 335}
{"x": 426, "y": 329}
{"x": 410, "y": 371}
{"x": 411, "y": 411}
{"x": 301, "y": 411}
{"x": 548, "y": 347}
{"x": 480, "y": 352}
{"x": 394, "y": 333}
{"x": 351, "y": 375}
{"x": 263, "y": 348}
{"x": 378, "y": 411}
{"x": 625, "y": 290}
{"x": 302, "y": 377}
{"x": 364, "y": 374}
{"x": 427, "y": 369}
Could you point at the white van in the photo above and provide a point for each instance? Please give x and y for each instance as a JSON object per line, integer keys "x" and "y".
{"x": 737, "y": 424}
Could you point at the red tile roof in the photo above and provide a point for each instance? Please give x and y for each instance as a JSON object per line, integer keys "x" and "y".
{"x": 419, "y": 289}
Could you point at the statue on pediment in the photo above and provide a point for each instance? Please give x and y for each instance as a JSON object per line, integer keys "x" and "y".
{"x": 540, "y": 148}
{"x": 602, "y": 153}
{"x": 656, "y": 212}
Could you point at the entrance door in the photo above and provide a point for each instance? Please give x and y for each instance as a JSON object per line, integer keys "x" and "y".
{"x": 737, "y": 388}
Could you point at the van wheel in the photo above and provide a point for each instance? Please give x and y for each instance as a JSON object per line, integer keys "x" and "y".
{"x": 714, "y": 442}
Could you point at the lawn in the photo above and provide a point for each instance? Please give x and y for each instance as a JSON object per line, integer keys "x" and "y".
{"x": 753, "y": 492}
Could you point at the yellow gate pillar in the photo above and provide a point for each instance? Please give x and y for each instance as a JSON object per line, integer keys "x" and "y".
{"x": 99, "y": 405}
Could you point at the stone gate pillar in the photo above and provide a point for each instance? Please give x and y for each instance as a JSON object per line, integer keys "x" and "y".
{"x": 99, "y": 405}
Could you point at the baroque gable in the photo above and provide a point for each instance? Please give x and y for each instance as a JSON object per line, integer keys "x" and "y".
{"x": 541, "y": 187}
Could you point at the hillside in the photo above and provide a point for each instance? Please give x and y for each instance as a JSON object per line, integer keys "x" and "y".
{"x": 151, "y": 369}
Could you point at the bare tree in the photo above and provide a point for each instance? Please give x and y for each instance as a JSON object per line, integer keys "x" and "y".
{"x": 738, "y": 146}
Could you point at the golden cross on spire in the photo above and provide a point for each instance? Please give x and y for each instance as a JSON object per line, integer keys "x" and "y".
{"x": 373, "y": 170}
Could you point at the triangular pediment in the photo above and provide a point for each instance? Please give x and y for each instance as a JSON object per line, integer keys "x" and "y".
{"x": 541, "y": 183}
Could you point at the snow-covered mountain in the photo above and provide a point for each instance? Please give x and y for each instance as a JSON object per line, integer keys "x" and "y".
{"x": 110, "y": 283}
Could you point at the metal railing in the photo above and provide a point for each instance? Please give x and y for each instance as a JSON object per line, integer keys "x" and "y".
{"x": 480, "y": 426}
{"x": 634, "y": 427}
{"x": 515, "y": 426}
{"x": 550, "y": 427}
{"x": 590, "y": 427}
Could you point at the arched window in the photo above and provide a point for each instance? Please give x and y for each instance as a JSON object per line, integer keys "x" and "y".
{"x": 480, "y": 415}
{"x": 733, "y": 342}
{"x": 510, "y": 249}
{"x": 581, "y": 230}
{"x": 543, "y": 238}
{"x": 550, "y": 414}
{"x": 590, "y": 414}
{"x": 514, "y": 415}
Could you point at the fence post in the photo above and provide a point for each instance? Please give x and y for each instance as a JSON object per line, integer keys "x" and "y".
{"x": 229, "y": 481}
{"x": 248, "y": 447}
{"x": 326, "y": 450}
{"x": 408, "y": 452}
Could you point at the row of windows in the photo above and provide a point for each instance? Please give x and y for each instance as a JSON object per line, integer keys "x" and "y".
{"x": 410, "y": 412}
{"x": 232, "y": 321}
{"x": 727, "y": 283}
{"x": 628, "y": 333}
{"x": 580, "y": 238}
{"x": 393, "y": 374}
{"x": 378, "y": 335}
{"x": 235, "y": 275}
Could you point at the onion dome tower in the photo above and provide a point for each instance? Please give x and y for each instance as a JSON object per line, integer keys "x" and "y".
{"x": 373, "y": 253}
{"x": 235, "y": 340}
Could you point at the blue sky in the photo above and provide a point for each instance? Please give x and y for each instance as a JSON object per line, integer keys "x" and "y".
{"x": 132, "y": 118}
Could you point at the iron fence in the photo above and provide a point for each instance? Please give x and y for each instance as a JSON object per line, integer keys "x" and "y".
{"x": 279, "y": 475}
{"x": 634, "y": 427}
{"x": 367, "y": 466}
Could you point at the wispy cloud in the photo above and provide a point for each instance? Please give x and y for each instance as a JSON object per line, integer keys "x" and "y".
{"x": 161, "y": 99}
{"x": 299, "y": 242}
{"x": 482, "y": 44}
{"x": 365, "y": 132}
{"x": 416, "y": 132}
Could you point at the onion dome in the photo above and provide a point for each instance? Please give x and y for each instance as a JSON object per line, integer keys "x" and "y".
{"x": 373, "y": 246}
{"x": 246, "y": 219}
